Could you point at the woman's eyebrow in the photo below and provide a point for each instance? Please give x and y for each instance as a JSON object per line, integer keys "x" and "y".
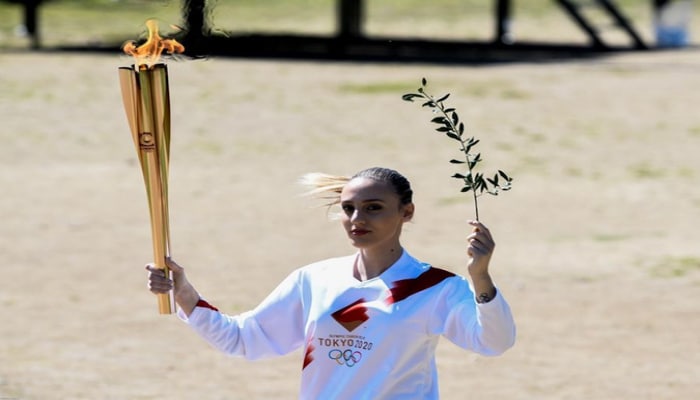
{"x": 365, "y": 201}
{"x": 373, "y": 201}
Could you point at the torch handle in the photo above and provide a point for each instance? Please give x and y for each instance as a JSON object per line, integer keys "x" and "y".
{"x": 158, "y": 223}
{"x": 160, "y": 100}
{"x": 147, "y": 110}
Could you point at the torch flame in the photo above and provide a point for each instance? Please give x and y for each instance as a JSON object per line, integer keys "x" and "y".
{"x": 149, "y": 53}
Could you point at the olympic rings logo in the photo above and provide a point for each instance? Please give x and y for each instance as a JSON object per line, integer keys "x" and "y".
{"x": 347, "y": 357}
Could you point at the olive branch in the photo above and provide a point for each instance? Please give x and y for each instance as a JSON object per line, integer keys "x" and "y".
{"x": 450, "y": 125}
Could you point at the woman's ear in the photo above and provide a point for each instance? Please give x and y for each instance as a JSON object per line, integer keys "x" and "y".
{"x": 408, "y": 211}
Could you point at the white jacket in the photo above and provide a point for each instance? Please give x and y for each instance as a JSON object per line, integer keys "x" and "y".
{"x": 363, "y": 340}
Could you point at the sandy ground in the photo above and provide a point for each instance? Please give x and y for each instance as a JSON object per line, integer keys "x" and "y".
{"x": 597, "y": 242}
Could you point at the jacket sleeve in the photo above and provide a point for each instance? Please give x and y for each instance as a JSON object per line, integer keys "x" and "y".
{"x": 275, "y": 327}
{"x": 488, "y": 328}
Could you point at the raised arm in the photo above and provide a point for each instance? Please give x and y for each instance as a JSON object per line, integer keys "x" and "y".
{"x": 482, "y": 320}
{"x": 480, "y": 249}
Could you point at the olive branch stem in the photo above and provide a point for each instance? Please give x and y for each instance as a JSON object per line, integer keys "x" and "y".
{"x": 450, "y": 124}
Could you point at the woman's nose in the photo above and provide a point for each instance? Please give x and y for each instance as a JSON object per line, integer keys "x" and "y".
{"x": 356, "y": 217}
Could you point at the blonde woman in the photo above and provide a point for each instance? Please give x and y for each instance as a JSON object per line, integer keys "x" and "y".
{"x": 369, "y": 322}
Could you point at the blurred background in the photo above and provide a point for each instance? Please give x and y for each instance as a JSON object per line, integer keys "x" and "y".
{"x": 95, "y": 23}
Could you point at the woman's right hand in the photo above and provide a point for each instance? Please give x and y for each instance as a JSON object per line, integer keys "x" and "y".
{"x": 158, "y": 283}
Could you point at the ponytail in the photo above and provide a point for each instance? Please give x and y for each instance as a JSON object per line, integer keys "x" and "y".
{"x": 324, "y": 186}
{"x": 328, "y": 187}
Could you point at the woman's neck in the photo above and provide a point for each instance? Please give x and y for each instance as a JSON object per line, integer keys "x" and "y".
{"x": 371, "y": 263}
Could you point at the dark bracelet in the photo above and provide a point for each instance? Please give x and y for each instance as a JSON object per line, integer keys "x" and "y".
{"x": 485, "y": 298}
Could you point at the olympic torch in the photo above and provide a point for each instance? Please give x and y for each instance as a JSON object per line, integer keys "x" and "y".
{"x": 146, "y": 97}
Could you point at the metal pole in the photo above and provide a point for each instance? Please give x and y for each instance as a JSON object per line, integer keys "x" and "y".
{"x": 31, "y": 16}
{"x": 350, "y": 16}
{"x": 503, "y": 22}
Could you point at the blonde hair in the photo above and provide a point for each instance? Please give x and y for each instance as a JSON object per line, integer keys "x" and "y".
{"x": 324, "y": 186}
{"x": 328, "y": 187}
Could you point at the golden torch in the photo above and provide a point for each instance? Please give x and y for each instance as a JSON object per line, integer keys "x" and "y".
{"x": 146, "y": 96}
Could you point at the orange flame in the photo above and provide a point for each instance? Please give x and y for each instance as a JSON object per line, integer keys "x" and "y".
{"x": 149, "y": 53}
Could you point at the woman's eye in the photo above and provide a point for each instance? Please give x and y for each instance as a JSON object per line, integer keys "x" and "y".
{"x": 348, "y": 209}
{"x": 374, "y": 207}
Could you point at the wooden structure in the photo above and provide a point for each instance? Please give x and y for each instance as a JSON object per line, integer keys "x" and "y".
{"x": 350, "y": 42}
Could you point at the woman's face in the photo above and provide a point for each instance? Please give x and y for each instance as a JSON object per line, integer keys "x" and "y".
{"x": 372, "y": 214}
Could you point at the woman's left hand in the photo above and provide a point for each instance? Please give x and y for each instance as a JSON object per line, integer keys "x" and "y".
{"x": 481, "y": 246}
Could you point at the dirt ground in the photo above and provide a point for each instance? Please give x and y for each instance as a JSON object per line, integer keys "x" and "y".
{"x": 597, "y": 242}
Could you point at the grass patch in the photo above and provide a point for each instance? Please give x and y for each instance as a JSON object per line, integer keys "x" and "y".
{"x": 645, "y": 171}
{"x": 621, "y": 70}
{"x": 533, "y": 137}
{"x": 609, "y": 237}
{"x": 573, "y": 172}
{"x": 686, "y": 172}
{"x": 503, "y": 89}
{"x": 207, "y": 146}
{"x": 514, "y": 94}
{"x": 397, "y": 88}
{"x": 675, "y": 267}
{"x": 589, "y": 129}
{"x": 505, "y": 146}
{"x": 500, "y": 88}
{"x": 533, "y": 164}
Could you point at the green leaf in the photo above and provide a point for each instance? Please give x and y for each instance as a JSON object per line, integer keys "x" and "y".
{"x": 443, "y": 98}
{"x": 452, "y": 135}
{"x": 449, "y": 123}
{"x": 470, "y": 143}
{"x": 506, "y": 177}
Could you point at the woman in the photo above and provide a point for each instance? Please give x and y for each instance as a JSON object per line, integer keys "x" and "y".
{"x": 369, "y": 323}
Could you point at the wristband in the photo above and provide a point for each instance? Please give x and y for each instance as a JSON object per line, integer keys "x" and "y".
{"x": 485, "y": 298}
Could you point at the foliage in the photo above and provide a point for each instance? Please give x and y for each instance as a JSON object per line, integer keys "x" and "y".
{"x": 449, "y": 123}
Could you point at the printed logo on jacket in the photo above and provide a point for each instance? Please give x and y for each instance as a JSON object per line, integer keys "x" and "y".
{"x": 348, "y": 349}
